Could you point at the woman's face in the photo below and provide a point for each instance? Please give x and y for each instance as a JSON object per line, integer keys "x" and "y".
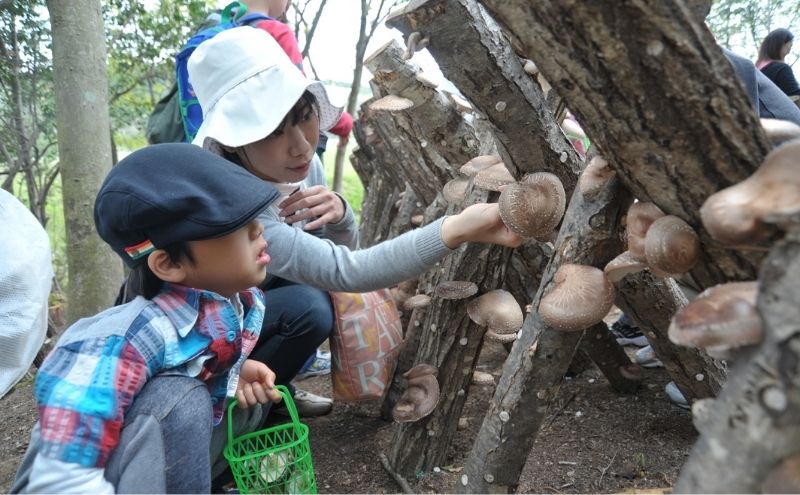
{"x": 786, "y": 49}
{"x": 285, "y": 155}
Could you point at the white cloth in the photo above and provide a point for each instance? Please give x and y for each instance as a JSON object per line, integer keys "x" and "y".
{"x": 26, "y": 273}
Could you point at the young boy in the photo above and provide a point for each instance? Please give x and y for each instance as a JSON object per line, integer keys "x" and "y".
{"x": 127, "y": 399}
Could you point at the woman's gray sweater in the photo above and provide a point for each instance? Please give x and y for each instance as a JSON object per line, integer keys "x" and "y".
{"x": 329, "y": 259}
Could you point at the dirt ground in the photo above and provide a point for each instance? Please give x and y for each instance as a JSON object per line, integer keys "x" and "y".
{"x": 594, "y": 441}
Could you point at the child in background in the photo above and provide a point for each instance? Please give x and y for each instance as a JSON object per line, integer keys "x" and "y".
{"x": 127, "y": 398}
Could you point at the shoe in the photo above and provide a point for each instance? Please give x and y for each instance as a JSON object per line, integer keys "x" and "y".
{"x": 646, "y": 358}
{"x": 317, "y": 364}
{"x": 628, "y": 335}
{"x": 308, "y": 405}
{"x": 676, "y": 396}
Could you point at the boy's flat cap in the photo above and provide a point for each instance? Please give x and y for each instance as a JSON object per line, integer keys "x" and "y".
{"x": 176, "y": 192}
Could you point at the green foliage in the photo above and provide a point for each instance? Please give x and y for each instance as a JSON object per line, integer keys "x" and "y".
{"x": 740, "y": 25}
{"x": 352, "y": 189}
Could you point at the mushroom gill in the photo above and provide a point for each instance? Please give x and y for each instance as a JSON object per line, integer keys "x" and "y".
{"x": 494, "y": 177}
{"x": 534, "y": 206}
{"x": 639, "y": 218}
{"x": 671, "y": 246}
{"x": 622, "y": 265}
{"x": 497, "y": 310}
{"x": 721, "y": 319}
{"x": 421, "y": 394}
{"x": 778, "y": 130}
{"x": 391, "y": 103}
{"x": 418, "y": 301}
{"x": 479, "y": 163}
{"x": 456, "y": 289}
{"x": 579, "y": 297}
{"x": 455, "y": 190}
{"x": 736, "y": 215}
{"x": 596, "y": 175}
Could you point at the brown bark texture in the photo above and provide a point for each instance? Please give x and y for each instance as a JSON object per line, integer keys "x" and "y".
{"x": 655, "y": 93}
{"x": 475, "y": 56}
{"x": 79, "y": 65}
{"x": 753, "y": 425}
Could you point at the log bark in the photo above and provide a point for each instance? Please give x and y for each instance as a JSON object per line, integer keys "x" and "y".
{"x": 599, "y": 344}
{"x": 475, "y": 56}
{"x": 536, "y": 365}
{"x": 753, "y": 425}
{"x": 650, "y": 302}
{"x": 654, "y": 92}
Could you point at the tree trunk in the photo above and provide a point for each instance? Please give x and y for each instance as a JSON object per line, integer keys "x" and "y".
{"x": 657, "y": 97}
{"x": 753, "y": 425}
{"x": 79, "y": 64}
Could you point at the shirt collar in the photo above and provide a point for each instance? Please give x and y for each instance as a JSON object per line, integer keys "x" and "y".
{"x": 181, "y": 304}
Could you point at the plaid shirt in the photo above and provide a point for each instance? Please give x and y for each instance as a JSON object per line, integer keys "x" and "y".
{"x": 89, "y": 380}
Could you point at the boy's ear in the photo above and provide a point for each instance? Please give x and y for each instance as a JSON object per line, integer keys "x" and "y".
{"x": 164, "y": 268}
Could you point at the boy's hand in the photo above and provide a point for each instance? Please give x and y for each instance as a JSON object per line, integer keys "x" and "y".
{"x": 316, "y": 201}
{"x": 256, "y": 384}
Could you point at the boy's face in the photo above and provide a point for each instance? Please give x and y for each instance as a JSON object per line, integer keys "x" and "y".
{"x": 285, "y": 155}
{"x": 229, "y": 264}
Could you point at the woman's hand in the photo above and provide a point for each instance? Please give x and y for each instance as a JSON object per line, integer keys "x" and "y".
{"x": 316, "y": 201}
{"x": 256, "y": 384}
{"x": 478, "y": 223}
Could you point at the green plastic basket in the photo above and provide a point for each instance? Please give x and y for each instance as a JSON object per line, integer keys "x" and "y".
{"x": 273, "y": 460}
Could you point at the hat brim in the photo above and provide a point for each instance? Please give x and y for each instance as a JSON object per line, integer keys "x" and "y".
{"x": 254, "y": 108}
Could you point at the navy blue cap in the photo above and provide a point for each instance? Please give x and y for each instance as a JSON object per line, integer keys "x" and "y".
{"x": 175, "y": 192}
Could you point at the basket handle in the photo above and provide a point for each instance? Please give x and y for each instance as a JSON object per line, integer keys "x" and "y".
{"x": 287, "y": 399}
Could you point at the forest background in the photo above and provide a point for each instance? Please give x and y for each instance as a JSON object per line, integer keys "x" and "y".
{"x": 141, "y": 39}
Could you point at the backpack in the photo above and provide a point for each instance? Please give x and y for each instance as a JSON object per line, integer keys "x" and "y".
{"x": 177, "y": 116}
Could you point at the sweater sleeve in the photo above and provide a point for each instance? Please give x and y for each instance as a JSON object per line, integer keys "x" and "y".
{"x": 301, "y": 257}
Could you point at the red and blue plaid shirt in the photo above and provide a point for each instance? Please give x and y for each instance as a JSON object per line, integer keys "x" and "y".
{"x": 89, "y": 380}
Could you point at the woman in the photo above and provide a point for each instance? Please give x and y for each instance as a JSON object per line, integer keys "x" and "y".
{"x": 262, "y": 113}
{"x": 773, "y": 50}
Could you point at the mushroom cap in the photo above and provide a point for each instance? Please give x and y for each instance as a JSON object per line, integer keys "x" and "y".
{"x": 580, "y": 296}
{"x": 391, "y": 103}
{"x": 622, "y": 265}
{"x": 533, "y": 207}
{"x": 482, "y": 378}
{"x": 494, "y": 177}
{"x": 735, "y": 215}
{"x": 417, "y": 220}
{"x": 778, "y": 130}
{"x": 671, "y": 246}
{"x": 721, "y": 318}
{"x": 418, "y": 301}
{"x": 462, "y": 105}
{"x": 479, "y": 163}
{"x": 639, "y": 218}
{"x": 420, "y": 397}
{"x": 455, "y": 190}
{"x": 497, "y": 310}
{"x": 456, "y": 289}
{"x": 530, "y": 67}
{"x": 596, "y": 175}
{"x": 631, "y": 371}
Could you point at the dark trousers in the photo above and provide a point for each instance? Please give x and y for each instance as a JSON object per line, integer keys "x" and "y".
{"x": 297, "y": 319}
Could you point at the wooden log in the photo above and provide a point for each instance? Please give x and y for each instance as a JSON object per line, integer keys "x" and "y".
{"x": 658, "y": 98}
{"x": 599, "y": 344}
{"x": 753, "y": 425}
{"x": 696, "y": 375}
{"x": 475, "y": 56}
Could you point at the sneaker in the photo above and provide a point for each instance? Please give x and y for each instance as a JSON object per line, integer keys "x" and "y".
{"x": 628, "y": 334}
{"x": 646, "y": 358}
{"x": 317, "y": 364}
{"x": 676, "y": 396}
{"x": 308, "y": 405}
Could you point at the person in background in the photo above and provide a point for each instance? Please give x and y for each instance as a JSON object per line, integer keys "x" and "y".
{"x": 26, "y": 273}
{"x": 127, "y": 398}
{"x": 319, "y": 362}
{"x": 776, "y": 45}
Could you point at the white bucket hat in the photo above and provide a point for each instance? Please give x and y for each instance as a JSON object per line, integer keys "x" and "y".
{"x": 246, "y": 85}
